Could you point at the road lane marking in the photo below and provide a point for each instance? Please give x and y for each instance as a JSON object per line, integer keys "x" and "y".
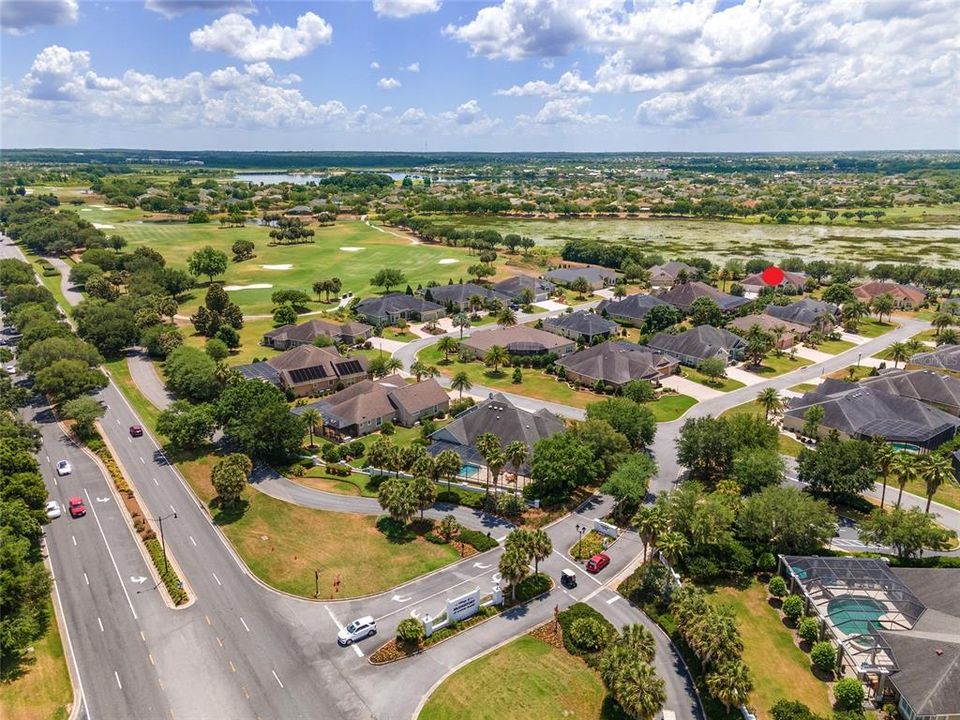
{"x": 193, "y": 541}
{"x": 207, "y": 618}
{"x": 142, "y": 636}
{"x": 151, "y": 659}
{"x": 123, "y": 585}
{"x": 155, "y": 482}
{"x": 336, "y": 622}
{"x": 118, "y": 679}
{"x": 277, "y": 678}
{"x": 401, "y": 598}
{"x": 86, "y": 578}
{"x": 428, "y": 597}
{"x": 612, "y": 600}
{"x": 119, "y": 423}
{"x": 142, "y": 461}
{"x": 242, "y": 622}
{"x": 245, "y": 693}
{"x": 100, "y": 623}
{"x": 217, "y": 579}
{"x": 220, "y": 641}
{"x": 234, "y": 669}
{"x": 172, "y": 508}
{"x": 47, "y": 457}
{"x": 72, "y": 537}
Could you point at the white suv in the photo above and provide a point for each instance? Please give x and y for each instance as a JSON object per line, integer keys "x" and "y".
{"x": 357, "y": 630}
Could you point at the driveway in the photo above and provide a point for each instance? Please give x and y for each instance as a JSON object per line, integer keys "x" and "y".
{"x": 696, "y": 390}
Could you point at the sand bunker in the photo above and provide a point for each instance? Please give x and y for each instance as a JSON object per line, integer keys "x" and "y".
{"x": 255, "y": 286}
{"x": 286, "y": 266}
{"x": 351, "y": 249}
{"x": 104, "y": 208}
{"x": 103, "y": 226}
{"x": 447, "y": 261}
{"x": 86, "y": 209}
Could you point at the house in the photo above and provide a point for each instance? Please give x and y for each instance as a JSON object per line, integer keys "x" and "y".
{"x": 392, "y": 307}
{"x": 596, "y": 277}
{"x": 498, "y": 416}
{"x": 513, "y": 288}
{"x": 792, "y": 283}
{"x": 617, "y": 363}
{"x": 300, "y": 210}
{"x": 458, "y": 295}
{"x": 863, "y": 412}
{"x": 584, "y": 327}
{"x": 665, "y": 276}
{"x": 288, "y": 336}
{"x": 684, "y": 295}
{"x": 518, "y": 340}
{"x": 905, "y": 297}
{"x": 364, "y": 407}
{"x": 692, "y": 346}
{"x": 807, "y": 312}
{"x": 308, "y": 370}
{"x": 630, "y": 310}
{"x": 942, "y": 391}
{"x": 790, "y": 333}
{"x": 945, "y": 357}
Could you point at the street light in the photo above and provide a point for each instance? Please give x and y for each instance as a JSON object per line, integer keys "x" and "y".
{"x": 581, "y": 529}
{"x": 163, "y": 544}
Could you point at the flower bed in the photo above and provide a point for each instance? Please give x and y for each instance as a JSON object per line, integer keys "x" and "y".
{"x": 590, "y": 545}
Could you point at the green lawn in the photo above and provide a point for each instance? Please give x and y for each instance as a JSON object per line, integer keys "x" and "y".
{"x": 146, "y": 410}
{"x": 773, "y": 366}
{"x": 778, "y": 667}
{"x": 356, "y": 484}
{"x": 42, "y": 690}
{"x": 835, "y": 347}
{"x": 723, "y": 384}
{"x": 527, "y": 679}
{"x": 670, "y": 406}
{"x": 787, "y": 445}
{"x": 948, "y": 494}
{"x": 309, "y": 262}
{"x": 871, "y": 327}
{"x": 804, "y": 387}
{"x": 844, "y": 373}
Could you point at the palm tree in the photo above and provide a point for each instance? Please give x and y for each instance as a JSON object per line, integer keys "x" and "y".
{"x": 447, "y": 464}
{"x": 424, "y": 492}
{"x": 474, "y": 301}
{"x": 488, "y": 445}
{"x": 883, "y": 305}
{"x": 638, "y": 690}
{"x": 313, "y": 419}
{"x": 397, "y": 498}
{"x": 672, "y": 546}
{"x": 639, "y": 640}
{"x": 778, "y": 333}
{"x": 418, "y": 368}
{"x": 447, "y": 345}
{"x": 719, "y": 638}
{"x": 899, "y": 352}
{"x": 949, "y": 337}
{"x": 506, "y": 318}
{"x": 392, "y": 364}
{"x": 730, "y": 683}
{"x": 935, "y": 470}
{"x": 649, "y": 523}
{"x": 769, "y": 399}
{"x": 942, "y": 320}
{"x": 460, "y": 320}
{"x": 884, "y": 454}
{"x": 904, "y": 467}
{"x": 516, "y": 453}
{"x": 495, "y": 462}
{"x": 514, "y": 567}
{"x": 540, "y": 547}
{"x": 496, "y": 356}
{"x": 461, "y": 382}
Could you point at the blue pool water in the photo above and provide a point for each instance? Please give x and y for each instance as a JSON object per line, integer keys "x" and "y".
{"x": 852, "y": 614}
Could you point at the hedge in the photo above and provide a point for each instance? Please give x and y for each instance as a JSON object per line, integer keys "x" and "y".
{"x": 576, "y": 612}
{"x": 477, "y": 539}
{"x": 170, "y": 579}
{"x": 532, "y": 586}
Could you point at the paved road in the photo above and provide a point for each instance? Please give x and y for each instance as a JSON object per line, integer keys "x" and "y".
{"x": 70, "y": 292}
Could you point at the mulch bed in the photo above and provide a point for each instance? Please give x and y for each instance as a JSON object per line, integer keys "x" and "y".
{"x": 551, "y": 633}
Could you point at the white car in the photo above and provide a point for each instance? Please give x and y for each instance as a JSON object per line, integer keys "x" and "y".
{"x": 357, "y": 630}
{"x": 64, "y": 468}
{"x": 53, "y": 509}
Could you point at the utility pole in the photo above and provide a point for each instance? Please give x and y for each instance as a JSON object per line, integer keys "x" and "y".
{"x": 163, "y": 543}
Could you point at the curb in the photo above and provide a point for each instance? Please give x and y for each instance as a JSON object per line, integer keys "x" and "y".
{"x": 78, "y": 700}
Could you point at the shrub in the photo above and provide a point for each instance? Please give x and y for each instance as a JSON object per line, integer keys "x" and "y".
{"x": 356, "y": 449}
{"x": 387, "y": 428}
{"x": 824, "y": 655}
{"x": 477, "y": 539}
{"x": 458, "y": 406}
{"x": 588, "y": 634}
{"x": 576, "y": 612}
{"x": 331, "y": 454}
{"x": 849, "y": 694}
{"x": 808, "y": 629}
{"x": 532, "y": 586}
{"x": 793, "y": 607}
{"x": 702, "y": 570}
{"x": 777, "y": 586}
{"x": 434, "y": 538}
{"x": 766, "y": 562}
{"x": 510, "y": 505}
{"x": 645, "y": 584}
{"x": 792, "y": 710}
{"x": 410, "y": 630}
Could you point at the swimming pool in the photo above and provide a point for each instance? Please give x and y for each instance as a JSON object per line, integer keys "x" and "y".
{"x": 851, "y": 614}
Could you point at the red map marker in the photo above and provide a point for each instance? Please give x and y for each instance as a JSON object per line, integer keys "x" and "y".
{"x": 772, "y": 275}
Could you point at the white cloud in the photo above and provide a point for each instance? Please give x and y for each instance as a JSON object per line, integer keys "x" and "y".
{"x": 468, "y": 117}
{"x": 413, "y": 67}
{"x": 562, "y": 111}
{"x": 173, "y": 8}
{"x": 388, "y": 83}
{"x": 21, "y": 16}
{"x": 569, "y": 82}
{"x": 236, "y": 35}
{"x": 57, "y": 73}
{"x": 404, "y": 8}
{"x": 413, "y": 116}
{"x": 374, "y": 65}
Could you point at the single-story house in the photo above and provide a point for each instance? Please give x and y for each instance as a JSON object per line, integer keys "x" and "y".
{"x": 596, "y": 277}
{"x": 513, "y": 287}
{"x": 518, "y": 340}
{"x": 692, "y": 346}
{"x": 584, "y": 327}
{"x": 945, "y": 357}
{"x": 288, "y": 336}
{"x": 496, "y": 415}
{"x": 616, "y": 363}
{"x": 364, "y": 407}
{"x": 308, "y": 370}
{"x": 630, "y": 310}
{"x": 937, "y": 389}
{"x": 684, "y": 295}
{"x": 905, "y": 297}
{"x": 792, "y": 332}
{"x": 665, "y": 276}
{"x": 388, "y": 309}
{"x": 792, "y": 282}
{"x": 807, "y": 312}
{"x": 458, "y": 295}
{"x": 863, "y": 412}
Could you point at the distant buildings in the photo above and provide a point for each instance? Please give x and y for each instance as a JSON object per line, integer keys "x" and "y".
{"x": 665, "y": 276}
{"x": 288, "y": 336}
{"x": 807, "y": 312}
{"x": 308, "y": 370}
{"x": 392, "y": 307}
{"x": 583, "y": 327}
{"x": 693, "y": 346}
{"x": 596, "y": 277}
{"x": 630, "y": 310}
{"x": 518, "y": 340}
{"x": 617, "y": 363}
{"x": 684, "y": 295}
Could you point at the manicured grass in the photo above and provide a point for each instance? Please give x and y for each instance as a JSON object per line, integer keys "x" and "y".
{"x": 283, "y": 544}
{"x": 778, "y": 667}
{"x": 670, "y": 406}
{"x": 145, "y": 410}
{"x": 42, "y": 690}
{"x": 947, "y": 494}
{"x": 250, "y": 335}
{"x": 356, "y": 484}
{"x": 773, "y": 366}
{"x": 724, "y": 384}
{"x": 871, "y": 327}
{"x": 844, "y": 373}
{"x": 804, "y": 387}
{"x": 787, "y": 445}
{"x": 835, "y": 347}
{"x": 527, "y": 679}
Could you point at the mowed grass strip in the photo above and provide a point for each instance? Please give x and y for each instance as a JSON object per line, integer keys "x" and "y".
{"x": 779, "y": 668}
{"x": 670, "y": 406}
{"x": 723, "y": 384}
{"x": 41, "y": 690}
{"x": 773, "y": 366}
{"x": 527, "y": 679}
{"x": 283, "y": 544}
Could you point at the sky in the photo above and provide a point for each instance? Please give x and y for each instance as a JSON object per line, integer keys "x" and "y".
{"x": 497, "y": 75}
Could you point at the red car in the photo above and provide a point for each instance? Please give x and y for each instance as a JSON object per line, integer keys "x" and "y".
{"x": 597, "y": 563}
{"x": 136, "y": 431}
{"x": 77, "y": 508}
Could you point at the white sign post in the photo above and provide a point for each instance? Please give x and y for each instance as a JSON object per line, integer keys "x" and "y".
{"x": 465, "y": 606}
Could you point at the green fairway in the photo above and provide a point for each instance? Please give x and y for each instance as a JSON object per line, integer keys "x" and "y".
{"x": 527, "y": 679}
{"x": 368, "y": 250}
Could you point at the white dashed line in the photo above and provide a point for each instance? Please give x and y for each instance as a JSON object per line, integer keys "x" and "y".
{"x": 155, "y": 482}
{"x": 217, "y": 579}
{"x": 612, "y": 600}
{"x": 86, "y": 578}
{"x": 275, "y": 677}
{"x": 242, "y": 622}
{"x": 100, "y": 623}
{"x": 336, "y": 622}
{"x": 173, "y": 509}
{"x": 72, "y": 537}
{"x": 118, "y": 679}
{"x": 143, "y": 461}
{"x": 193, "y": 541}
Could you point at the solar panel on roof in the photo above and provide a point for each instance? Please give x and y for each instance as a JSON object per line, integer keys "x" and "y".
{"x": 316, "y": 372}
{"x": 350, "y": 367}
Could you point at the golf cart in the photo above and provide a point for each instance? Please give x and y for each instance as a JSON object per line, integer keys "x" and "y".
{"x": 568, "y": 578}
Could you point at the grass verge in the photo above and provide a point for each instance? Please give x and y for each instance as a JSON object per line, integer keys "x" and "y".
{"x": 773, "y": 366}
{"x": 724, "y": 384}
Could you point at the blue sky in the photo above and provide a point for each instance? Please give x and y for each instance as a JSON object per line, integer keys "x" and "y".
{"x": 569, "y": 75}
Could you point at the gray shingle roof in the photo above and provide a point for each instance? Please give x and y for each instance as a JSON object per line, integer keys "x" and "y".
{"x": 803, "y": 312}
{"x": 518, "y": 337}
{"x": 394, "y": 303}
{"x": 460, "y": 293}
{"x": 515, "y": 285}
{"x": 634, "y": 307}
{"x": 683, "y": 296}
{"x": 703, "y": 341}
{"x": 617, "y": 362}
{"x": 945, "y": 357}
{"x": 592, "y": 275}
{"x": 310, "y": 330}
{"x": 585, "y": 323}
{"x": 924, "y": 385}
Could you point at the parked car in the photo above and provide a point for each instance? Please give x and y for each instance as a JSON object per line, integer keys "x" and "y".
{"x": 64, "y": 468}
{"x": 136, "y": 431}
{"x": 568, "y": 578}
{"x": 598, "y": 563}
{"x": 77, "y": 508}
{"x": 53, "y": 509}
{"x": 357, "y": 630}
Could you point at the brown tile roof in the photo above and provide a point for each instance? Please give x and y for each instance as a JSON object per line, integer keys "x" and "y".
{"x": 870, "y": 290}
{"x": 516, "y": 335}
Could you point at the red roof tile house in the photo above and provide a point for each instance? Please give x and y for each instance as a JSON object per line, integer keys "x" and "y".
{"x": 906, "y": 297}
